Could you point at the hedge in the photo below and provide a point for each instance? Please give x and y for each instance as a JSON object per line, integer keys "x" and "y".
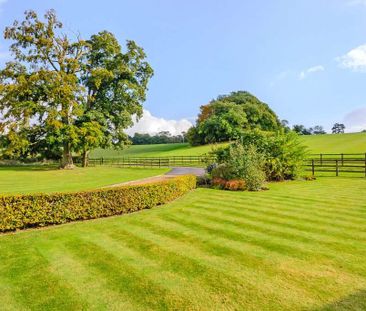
{"x": 38, "y": 210}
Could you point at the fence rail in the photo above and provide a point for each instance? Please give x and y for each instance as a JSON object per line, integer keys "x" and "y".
{"x": 336, "y": 163}
{"x": 198, "y": 161}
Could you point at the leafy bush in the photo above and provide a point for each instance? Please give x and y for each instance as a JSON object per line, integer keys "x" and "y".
{"x": 38, "y": 210}
{"x": 204, "y": 180}
{"x": 282, "y": 151}
{"x": 241, "y": 163}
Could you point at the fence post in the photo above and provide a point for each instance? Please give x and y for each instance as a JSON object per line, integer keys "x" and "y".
{"x": 337, "y": 170}
{"x": 312, "y": 167}
{"x": 342, "y": 159}
{"x": 321, "y": 159}
{"x": 159, "y": 163}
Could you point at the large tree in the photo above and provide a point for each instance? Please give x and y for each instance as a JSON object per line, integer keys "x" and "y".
{"x": 75, "y": 94}
{"x": 229, "y": 116}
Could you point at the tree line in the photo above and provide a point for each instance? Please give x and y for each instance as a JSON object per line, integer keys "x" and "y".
{"x": 163, "y": 137}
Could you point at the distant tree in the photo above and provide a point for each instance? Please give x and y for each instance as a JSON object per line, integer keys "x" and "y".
{"x": 338, "y": 128}
{"x": 285, "y": 124}
{"x": 163, "y": 137}
{"x": 228, "y": 116}
{"x": 301, "y": 129}
{"x": 318, "y": 129}
{"x": 72, "y": 95}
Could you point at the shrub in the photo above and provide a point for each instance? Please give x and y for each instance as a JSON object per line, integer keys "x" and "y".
{"x": 38, "y": 210}
{"x": 245, "y": 164}
{"x": 235, "y": 185}
{"x": 284, "y": 154}
{"x": 204, "y": 180}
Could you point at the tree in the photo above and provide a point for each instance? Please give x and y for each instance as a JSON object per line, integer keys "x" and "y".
{"x": 77, "y": 94}
{"x": 301, "y": 129}
{"x": 228, "y": 116}
{"x": 338, "y": 128}
{"x": 318, "y": 130}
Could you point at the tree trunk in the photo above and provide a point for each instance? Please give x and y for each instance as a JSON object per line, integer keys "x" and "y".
{"x": 85, "y": 158}
{"x": 67, "y": 162}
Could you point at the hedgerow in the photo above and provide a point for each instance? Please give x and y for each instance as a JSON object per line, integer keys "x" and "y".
{"x": 38, "y": 210}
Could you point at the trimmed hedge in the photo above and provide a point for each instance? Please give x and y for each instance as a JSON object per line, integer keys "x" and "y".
{"x": 39, "y": 210}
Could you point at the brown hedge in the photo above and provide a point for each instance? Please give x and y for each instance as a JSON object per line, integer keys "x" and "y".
{"x": 38, "y": 210}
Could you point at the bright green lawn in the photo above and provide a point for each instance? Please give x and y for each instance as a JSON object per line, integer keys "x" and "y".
{"x": 336, "y": 143}
{"x": 299, "y": 246}
{"x": 30, "y": 179}
{"x": 161, "y": 150}
{"x": 329, "y": 143}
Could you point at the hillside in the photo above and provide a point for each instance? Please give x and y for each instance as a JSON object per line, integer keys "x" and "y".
{"x": 336, "y": 143}
{"x": 328, "y": 143}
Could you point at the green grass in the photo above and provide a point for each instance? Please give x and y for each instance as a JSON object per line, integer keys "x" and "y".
{"x": 329, "y": 143}
{"x": 161, "y": 150}
{"x": 336, "y": 143}
{"x": 299, "y": 246}
{"x": 31, "y": 179}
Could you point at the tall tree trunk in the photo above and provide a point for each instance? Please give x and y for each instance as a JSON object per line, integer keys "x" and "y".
{"x": 67, "y": 162}
{"x": 85, "y": 158}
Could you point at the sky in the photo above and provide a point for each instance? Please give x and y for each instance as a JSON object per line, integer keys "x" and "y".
{"x": 306, "y": 58}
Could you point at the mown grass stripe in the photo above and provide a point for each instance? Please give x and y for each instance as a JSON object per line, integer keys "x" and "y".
{"x": 338, "y": 237}
{"x": 292, "y": 213}
{"x": 270, "y": 242}
{"x": 256, "y": 260}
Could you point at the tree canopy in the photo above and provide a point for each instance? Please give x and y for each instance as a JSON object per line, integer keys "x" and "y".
{"x": 228, "y": 116}
{"x": 61, "y": 95}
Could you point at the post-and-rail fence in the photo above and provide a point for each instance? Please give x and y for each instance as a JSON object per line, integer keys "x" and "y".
{"x": 334, "y": 163}
{"x": 190, "y": 161}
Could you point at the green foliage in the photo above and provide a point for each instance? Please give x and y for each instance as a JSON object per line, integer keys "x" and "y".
{"x": 243, "y": 163}
{"x": 229, "y": 116}
{"x": 60, "y": 96}
{"x": 38, "y": 210}
{"x": 283, "y": 152}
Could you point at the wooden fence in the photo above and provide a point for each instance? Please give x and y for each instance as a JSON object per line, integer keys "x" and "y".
{"x": 192, "y": 161}
{"x": 334, "y": 163}
{"x": 337, "y": 163}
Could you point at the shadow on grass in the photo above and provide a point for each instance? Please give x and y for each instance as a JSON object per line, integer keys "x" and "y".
{"x": 354, "y": 302}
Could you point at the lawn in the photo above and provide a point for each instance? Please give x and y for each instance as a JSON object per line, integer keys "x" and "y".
{"x": 299, "y": 246}
{"x": 336, "y": 143}
{"x": 329, "y": 143}
{"x": 160, "y": 150}
{"x": 31, "y": 179}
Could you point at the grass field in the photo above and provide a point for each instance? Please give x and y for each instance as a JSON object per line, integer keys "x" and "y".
{"x": 340, "y": 143}
{"x": 31, "y": 179}
{"x": 299, "y": 246}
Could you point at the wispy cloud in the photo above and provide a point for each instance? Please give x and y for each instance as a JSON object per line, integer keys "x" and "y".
{"x": 152, "y": 125}
{"x": 354, "y": 59}
{"x": 355, "y": 120}
{"x": 357, "y": 2}
{"x": 1, "y": 3}
{"x": 305, "y": 73}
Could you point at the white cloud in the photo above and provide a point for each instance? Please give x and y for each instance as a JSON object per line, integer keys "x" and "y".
{"x": 354, "y": 59}
{"x": 152, "y": 125}
{"x": 357, "y": 2}
{"x": 303, "y": 74}
{"x": 1, "y": 3}
{"x": 355, "y": 121}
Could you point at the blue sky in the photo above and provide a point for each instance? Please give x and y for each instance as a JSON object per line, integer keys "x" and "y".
{"x": 305, "y": 58}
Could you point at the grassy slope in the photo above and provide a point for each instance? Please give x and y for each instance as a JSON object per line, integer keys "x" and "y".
{"x": 340, "y": 143}
{"x": 153, "y": 151}
{"x": 28, "y": 179}
{"x": 299, "y": 246}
